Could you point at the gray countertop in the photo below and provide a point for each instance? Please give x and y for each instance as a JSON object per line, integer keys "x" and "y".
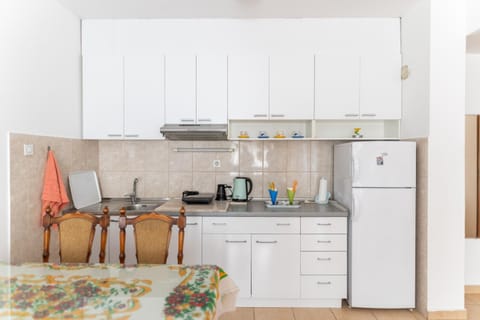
{"x": 255, "y": 208}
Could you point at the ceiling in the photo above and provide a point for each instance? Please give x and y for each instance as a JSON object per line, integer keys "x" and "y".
{"x": 130, "y": 9}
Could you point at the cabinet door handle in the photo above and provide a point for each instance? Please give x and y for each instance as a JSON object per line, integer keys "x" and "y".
{"x": 187, "y": 120}
{"x": 323, "y": 282}
{"x": 205, "y": 120}
{"x": 114, "y": 135}
{"x": 219, "y": 224}
{"x": 275, "y": 241}
{"x": 324, "y": 259}
{"x": 283, "y": 224}
{"x": 277, "y": 115}
{"x": 236, "y": 241}
{"x": 324, "y": 241}
{"x": 349, "y": 115}
{"x": 259, "y": 115}
{"x": 324, "y": 224}
{"x": 113, "y": 220}
{"x": 369, "y": 114}
{"x": 192, "y": 224}
{"x": 132, "y": 135}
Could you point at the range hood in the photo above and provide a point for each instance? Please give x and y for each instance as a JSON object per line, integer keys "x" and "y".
{"x": 195, "y": 131}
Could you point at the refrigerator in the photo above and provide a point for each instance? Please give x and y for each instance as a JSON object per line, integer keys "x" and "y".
{"x": 375, "y": 180}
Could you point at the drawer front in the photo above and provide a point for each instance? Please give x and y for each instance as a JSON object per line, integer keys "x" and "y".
{"x": 323, "y": 287}
{"x": 251, "y": 225}
{"x": 324, "y": 263}
{"x": 324, "y": 225}
{"x": 324, "y": 242}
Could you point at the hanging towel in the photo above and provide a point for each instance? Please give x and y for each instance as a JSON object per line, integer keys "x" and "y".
{"x": 54, "y": 194}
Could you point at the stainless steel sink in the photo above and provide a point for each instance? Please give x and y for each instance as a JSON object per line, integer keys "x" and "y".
{"x": 142, "y": 206}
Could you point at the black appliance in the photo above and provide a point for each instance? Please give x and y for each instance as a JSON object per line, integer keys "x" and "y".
{"x": 222, "y": 192}
{"x": 195, "y": 197}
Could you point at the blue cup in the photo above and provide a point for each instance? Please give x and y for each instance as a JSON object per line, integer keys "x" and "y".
{"x": 273, "y": 195}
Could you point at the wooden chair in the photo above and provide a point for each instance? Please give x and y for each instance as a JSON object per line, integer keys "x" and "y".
{"x": 152, "y": 233}
{"x": 76, "y": 232}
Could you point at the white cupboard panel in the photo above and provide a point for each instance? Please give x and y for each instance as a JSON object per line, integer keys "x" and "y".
{"x": 248, "y": 87}
{"x": 211, "y": 89}
{"x": 103, "y": 97}
{"x": 252, "y": 225}
{"x": 380, "y": 87}
{"x": 324, "y": 262}
{"x": 192, "y": 245}
{"x": 291, "y": 87}
{"x": 324, "y": 242}
{"x": 231, "y": 253}
{"x": 337, "y": 87}
{"x": 144, "y": 97}
{"x": 324, "y": 287}
{"x": 324, "y": 225}
{"x": 180, "y": 89}
{"x": 276, "y": 266}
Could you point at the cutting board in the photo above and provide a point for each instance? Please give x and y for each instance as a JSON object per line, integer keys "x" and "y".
{"x": 84, "y": 188}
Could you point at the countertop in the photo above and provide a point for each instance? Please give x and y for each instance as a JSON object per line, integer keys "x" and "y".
{"x": 254, "y": 208}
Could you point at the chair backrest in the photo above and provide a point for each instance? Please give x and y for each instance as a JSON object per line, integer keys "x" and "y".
{"x": 152, "y": 236}
{"x": 76, "y": 232}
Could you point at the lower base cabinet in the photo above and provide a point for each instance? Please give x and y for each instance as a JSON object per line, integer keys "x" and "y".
{"x": 192, "y": 244}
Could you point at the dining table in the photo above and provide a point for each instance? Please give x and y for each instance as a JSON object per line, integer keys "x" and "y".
{"x": 115, "y": 291}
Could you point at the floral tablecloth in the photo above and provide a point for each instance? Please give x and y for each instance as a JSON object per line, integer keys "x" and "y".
{"x": 105, "y": 291}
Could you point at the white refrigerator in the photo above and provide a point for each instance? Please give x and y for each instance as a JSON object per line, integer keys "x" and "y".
{"x": 375, "y": 180}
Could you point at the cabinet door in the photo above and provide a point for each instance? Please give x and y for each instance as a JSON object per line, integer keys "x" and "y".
{"x": 180, "y": 87}
{"x": 337, "y": 87}
{"x": 276, "y": 266}
{"x": 192, "y": 245}
{"x": 114, "y": 244}
{"x": 231, "y": 253}
{"x": 144, "y": 97}
{"x": 380, "y": 87}
{"x": 211, "y": 89}
{"x": 103, "y": 97}
{"x": 248, "y": 87}
{"x": 291, "y": 87}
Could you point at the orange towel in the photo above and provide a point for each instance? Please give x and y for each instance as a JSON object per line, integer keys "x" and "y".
{"x": 54, "y": 194}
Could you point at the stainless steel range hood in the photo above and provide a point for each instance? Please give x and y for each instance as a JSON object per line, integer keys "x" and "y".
{"x": 195, "y": 131}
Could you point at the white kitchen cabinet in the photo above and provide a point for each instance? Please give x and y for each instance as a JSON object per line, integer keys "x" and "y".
{"x": 380, "y": 87}
{"x": 248, "y": 87}
{"x": 337, "y": 80}
{"x": 192, "y": 245}
{"x": 180, "y": 89}
{"x": 211, "y": 89}
{"x": 144, "y": 97}
{"x": 275, "y": 266}
{"x": 231, "y": 252}
{"x": 291, "y": 87}
{"x": 103, "y": 99}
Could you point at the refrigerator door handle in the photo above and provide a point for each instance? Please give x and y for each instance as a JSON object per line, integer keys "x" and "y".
{"x": 354, "y": 213}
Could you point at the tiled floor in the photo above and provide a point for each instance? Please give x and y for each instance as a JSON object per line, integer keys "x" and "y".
{"x": 472, "y": 304}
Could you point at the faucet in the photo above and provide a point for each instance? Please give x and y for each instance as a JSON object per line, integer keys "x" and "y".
{"x": 133, "y": 195}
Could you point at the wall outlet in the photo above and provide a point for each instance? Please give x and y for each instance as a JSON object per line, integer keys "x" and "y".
{"x": 28, "y": 149}
{"x": 217, "y": 163}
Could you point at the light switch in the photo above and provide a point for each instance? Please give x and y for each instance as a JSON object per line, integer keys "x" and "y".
{"x": 28, "y": 149}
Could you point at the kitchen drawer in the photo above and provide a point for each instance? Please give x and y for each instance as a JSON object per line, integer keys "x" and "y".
{"x": 324, "y": 263}
{"x": 323, "y": 287}
{"x": 324, "y": 242}
{"x": 251, "y": 225}
{"x": 324, "y": 225}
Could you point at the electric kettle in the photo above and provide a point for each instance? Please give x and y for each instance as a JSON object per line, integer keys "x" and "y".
{"x": 242, "y": 187}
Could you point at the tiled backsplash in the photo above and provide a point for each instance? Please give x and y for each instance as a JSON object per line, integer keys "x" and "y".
{"x": 26, "y": 179}
{"x": 165, "y": 172}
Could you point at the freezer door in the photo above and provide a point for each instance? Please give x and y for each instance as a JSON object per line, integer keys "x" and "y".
{"x": 384, "y": 164}
{"x": 382, "y": 248}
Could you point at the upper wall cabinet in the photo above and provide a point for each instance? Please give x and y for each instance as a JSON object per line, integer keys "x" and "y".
{"x": 380, "y": 87}
{"x": 123, "y": 97}
{"x": 248, "y": 87}
{"x": 291, "y": 87}
{"x": 180, "y": 89}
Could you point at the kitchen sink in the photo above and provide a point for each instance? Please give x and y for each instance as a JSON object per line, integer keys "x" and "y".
{"x": 142, "y": 206}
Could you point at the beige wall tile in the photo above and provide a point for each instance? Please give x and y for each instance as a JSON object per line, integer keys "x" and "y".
{"x": 303, "y": 179}
{"x": 230, "y": 161}
{"x": 203, "y": 161}
{"x": 225, "y": 177}
{"x": 134, "y": 153}
{"x": 298, "y": 156}
{"x": 251, "y": 156}
{"x": 275, "y": 156}
{"x": 179, "y": 182}
{"x": 280, "y": 179}
{"x": 156, "y": 156}
{"x": 204, "y": 182}
{"x": 111, "y": 156}
{"x": 321, "y": 156}
{"x": 155, "y": 185}
{"x": 179, "y": 161}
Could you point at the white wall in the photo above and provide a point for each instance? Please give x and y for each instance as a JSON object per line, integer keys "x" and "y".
{"x": 446, "y": 161}
{"x": 473, "y": 16}
{"x": 416, "y": 54}
{"x": 40, "y": 81}
{"x": 472, "y": 85}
